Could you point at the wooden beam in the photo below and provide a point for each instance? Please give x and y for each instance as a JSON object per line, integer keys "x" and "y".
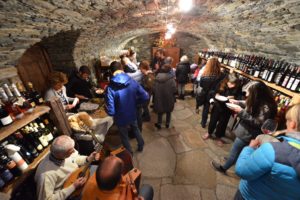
{"x": 8, "y": 72}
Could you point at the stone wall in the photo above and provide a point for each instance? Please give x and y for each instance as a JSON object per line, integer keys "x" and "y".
{"x": 60, "y": 49}
{"x": 264, "y": 27}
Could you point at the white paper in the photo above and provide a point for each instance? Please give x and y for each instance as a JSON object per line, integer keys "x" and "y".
{"x": 75, "y": 101}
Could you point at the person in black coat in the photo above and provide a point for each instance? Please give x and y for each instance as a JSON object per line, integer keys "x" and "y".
{"x": 164, "y": 95}
{"x": 79, "y": 85}
{"x": 209, "y": 82}
{"x": 220, "y": 114}
{"x": 182, "y": 75}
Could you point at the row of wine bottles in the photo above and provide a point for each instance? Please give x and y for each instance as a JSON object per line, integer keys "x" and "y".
{"x": 16, "y": 101}
{"x": 20, "y": 149}
{"x": 281, "y": 73}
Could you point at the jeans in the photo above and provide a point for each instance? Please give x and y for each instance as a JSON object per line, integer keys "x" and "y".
{"x": 181, "y": 88}
{"x": 235, "y": 151}
{"x": 147, "y": 192}
{"x": 205, "y": 113}
{"x": 124, "y": 135}
{"x": 238, "y": 195}
{"x": 168, "y": 118}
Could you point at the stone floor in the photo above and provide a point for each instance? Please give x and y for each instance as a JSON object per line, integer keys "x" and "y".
{"x": 176, "y": 161}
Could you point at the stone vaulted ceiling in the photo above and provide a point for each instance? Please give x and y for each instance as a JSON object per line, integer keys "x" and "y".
{"x": 269, "y": 27}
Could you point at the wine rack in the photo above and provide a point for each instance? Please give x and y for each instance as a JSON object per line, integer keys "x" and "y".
{"x": 10, "y": 129}
{"x": 271, "y": 85}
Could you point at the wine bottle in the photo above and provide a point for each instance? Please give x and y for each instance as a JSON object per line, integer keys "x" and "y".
{"x": 9, "y": 104}
{"x": 38, "y": 99}
{"x": 280, "y": 76}
{"x": 9, "y": 163}
{"x": 13, "y": 153}
{"x": 28, "y": 134}
{"x": 292, "y": 78}
{"x": 48, "y": 134}
{"x": 22, "y": 102}
{"x": 26, "y": 95}
{"x": 5, "y": 118}
{"x": 273, "y": 72}
{"x": 42, "y": 138}
{"x": 5, "y": 174}
{"x": 24, "y": 153}
{"x": 25, "y": 143}
{"x": 287, "y": 77}
{"x": 296, "y": 83}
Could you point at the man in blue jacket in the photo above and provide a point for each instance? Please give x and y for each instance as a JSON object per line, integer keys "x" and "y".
{"x": 122, "y": 96}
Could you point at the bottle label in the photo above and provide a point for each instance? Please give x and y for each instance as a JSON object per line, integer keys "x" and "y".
{"x": 33, "y": 104}
{"x": 11, "y": 164}
{"x": 285, "y": 81}
{"x": 290, "y": 83}
{"x": 296, "y": 83}
{"x": 277, "y": 79}
{"x": 7, "y": 175}
{"x": 41, "y": 100}
{"x": 6, "y": 120}
{"x": 271, "y": 76}
{"x": 43, "y": 140}
{"x": 20, "y": 162}
{"x": 49, "y": 136}
{"x": 256, "y": 73}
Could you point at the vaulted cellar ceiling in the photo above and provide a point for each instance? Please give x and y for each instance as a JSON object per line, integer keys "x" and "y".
{"x": 269, "y": 27}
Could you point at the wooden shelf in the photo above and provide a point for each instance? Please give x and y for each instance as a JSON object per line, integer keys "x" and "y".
{"x": 271, "y": 85}
{"x": 8, "y": 130}
{"x": 31, "y": 168}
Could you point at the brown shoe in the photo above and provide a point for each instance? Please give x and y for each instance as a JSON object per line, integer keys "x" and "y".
{"x": 206, "y": 136}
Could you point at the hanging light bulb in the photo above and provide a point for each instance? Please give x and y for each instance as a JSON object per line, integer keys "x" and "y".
{"x": 168, "y": 35}
{"x": 169, "y": 26}
{"x": 185, "y": 5}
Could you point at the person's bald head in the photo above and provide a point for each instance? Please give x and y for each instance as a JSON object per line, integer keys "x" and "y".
{"x": 109, "y": 174}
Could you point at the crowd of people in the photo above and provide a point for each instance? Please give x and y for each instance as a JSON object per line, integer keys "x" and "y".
{"x": 268, "y": 170}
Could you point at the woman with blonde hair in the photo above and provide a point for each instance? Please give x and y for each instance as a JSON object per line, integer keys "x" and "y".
{"x": 209, "y": 82}
{"x": 182, "y": 75}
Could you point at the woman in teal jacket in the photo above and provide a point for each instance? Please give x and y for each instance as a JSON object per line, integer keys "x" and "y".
{"x": 272, "y": 171}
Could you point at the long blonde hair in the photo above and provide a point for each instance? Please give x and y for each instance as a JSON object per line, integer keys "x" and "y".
{"x": 212, "y": 68}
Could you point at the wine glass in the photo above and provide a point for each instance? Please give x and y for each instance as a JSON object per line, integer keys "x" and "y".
{"x": 269, "y": 126}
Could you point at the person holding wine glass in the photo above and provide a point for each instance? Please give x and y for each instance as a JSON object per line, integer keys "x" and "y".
{"x": 259, "y": 106}
{"x": 272, "y": 170}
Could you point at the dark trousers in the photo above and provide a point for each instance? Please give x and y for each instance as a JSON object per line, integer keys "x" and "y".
{"x": 205, "y": 113}
{"x": 168, "y": 118}
{"x": 124, "y": 135}
{"x": 146, "y": 113}
{"x": 147, "y": 192}
{"x": 238, "y": 195}
{"x": 139, "y": 116}
{"x": 219, "y": 118}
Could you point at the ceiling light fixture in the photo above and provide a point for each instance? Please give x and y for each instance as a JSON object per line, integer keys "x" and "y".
{"x": 185, "y": 5}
